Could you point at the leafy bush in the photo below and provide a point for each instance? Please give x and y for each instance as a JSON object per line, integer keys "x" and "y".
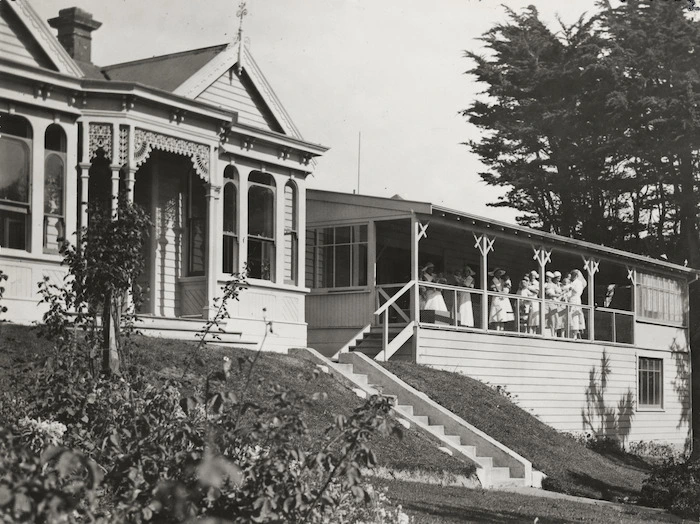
{"x": 674, "y": 486}
{"x": 657, "y": 451}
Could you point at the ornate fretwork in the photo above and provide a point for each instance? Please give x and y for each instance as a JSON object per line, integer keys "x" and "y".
{"x": 484, "y": 243}
{"x": 147, "y": 141}
{"x": 100, "y": 137}
{"x": 123, "y": 145}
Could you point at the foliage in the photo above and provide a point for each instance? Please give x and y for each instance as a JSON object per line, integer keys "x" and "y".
{"x": 593, "y": 129}
{"x": 103, "y": 269}
{"x": 3, "y": 308}
{"x": 674, "y": 486}
{"x": 658, "y": 451}
{"x": 58, "y": 486}
{"x": 210, "y": 454}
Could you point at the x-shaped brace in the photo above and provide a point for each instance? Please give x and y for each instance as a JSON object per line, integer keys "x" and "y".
{"x": 631, "y": 275}
{"x": 422, "y": 230}
{"x": 542, "y": 255}
{"x": 484, "y": 243}
{"x": 591, "y": 265}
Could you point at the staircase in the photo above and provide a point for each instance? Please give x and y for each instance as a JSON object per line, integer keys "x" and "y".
{"x": 371, "y": 343}
{"x": 496, "y": 465}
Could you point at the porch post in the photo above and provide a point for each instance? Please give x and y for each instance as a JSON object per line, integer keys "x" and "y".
{"x": 280, "y": 183}
{"x": 115, "y": 167}
{"x": 130, "y": 167}
{"x": 84, "y": 197}
{"x": 36, "y": 195}
{"x": 415, "y": 296}
{"x": 591, "y": 266}
{"x": 213, "y": 242}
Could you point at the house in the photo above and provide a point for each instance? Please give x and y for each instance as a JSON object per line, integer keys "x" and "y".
{"x": 198, "y": 138}
{"x": 621, "y": 370}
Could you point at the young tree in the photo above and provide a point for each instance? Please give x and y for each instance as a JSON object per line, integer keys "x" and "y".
{"x": 103, "y": 268}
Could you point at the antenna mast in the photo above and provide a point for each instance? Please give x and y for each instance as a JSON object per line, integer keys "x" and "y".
{"x": 359, "y": 152}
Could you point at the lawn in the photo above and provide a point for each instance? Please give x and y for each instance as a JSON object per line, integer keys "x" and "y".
{"x": 428, "y": 504}
{"x": 571, "y": 467}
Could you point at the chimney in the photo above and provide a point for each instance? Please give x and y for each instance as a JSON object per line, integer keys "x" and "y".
{"x": 74, "y": 27}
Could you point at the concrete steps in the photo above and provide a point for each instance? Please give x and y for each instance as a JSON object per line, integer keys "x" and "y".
{"x": 497, "y": 466}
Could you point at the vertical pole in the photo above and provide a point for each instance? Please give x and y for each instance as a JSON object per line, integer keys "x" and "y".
{"x": 484, "y": 283}
{"x": 372, "y": 267}
{"x": 541, "y": 297}
{"x": 36, "y": 195}
{"x": 415, "y": 296}
{"x": 84, "y": 196}
{"x": 115, "y": 168}
{"x": 385, "y": 333}
{"x": 591, "y": 299}
{"x": 278, "y": 273}
{"x": 131, "y": 166}
{"x": 213, "y": 240}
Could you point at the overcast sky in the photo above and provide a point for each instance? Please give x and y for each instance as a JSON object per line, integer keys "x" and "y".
{"x": 390, "y": 69}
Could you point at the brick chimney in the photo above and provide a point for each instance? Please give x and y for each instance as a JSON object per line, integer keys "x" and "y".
{"x": 74, "y": 27}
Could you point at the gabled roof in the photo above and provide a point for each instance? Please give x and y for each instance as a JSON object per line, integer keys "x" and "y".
{"x": 190, "y": 73}
{"x": 165, "y": 72}
{"x": 41, "y": 33}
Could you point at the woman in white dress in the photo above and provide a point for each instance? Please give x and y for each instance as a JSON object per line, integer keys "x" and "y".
{"x": 533, "y": 321}
{"x": 524, "y": 305}
{"x": 552, "y": 292}
{"x": 501, "y": 309}
{"x": 578, "y": 318}
{"x": 464, "y": 299}
{"x": 431, "y": 298}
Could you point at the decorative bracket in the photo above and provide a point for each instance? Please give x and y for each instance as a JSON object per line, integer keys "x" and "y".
{"x": 306, "y": 159}
{"x": 127, "y": 102}
{"x": 42, "y": 91}
{"x": 247, "y": 143}
{"x": 484, "y": 243}
{"x": 284, "y": 153}
{"x": 177, "y": 116}
{"x": 542, "y": 255}
{"x": 591, "y": 265}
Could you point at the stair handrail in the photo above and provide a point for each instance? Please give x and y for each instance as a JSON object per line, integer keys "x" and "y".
{"x": 382, "y": 309}
{"x": 394, "y": 298}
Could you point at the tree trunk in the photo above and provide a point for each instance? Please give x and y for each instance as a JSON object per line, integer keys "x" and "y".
{"x": 110, "y": 336}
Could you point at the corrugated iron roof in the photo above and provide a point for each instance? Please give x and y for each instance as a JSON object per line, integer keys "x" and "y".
{"x": 165, "y": 72}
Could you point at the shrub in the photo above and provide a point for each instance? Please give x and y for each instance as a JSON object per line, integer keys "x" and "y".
{"x": 674, "y": 486}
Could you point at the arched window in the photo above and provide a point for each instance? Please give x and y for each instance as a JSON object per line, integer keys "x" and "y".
{"x": 230, "y": 240}
{"x": 291, "y": 234}
{"x": 15, "y": 155}
{"x": 54, "y": 184}
{"x": 261, "y": 226}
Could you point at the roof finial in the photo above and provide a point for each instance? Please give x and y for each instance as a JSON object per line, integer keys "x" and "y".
{"x": 242, "y": 11}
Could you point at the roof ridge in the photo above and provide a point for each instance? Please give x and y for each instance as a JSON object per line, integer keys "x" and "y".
{"x": 160, "y": 57}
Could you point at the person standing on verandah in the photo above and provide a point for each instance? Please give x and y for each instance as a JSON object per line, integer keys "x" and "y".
{"x": 431, "y": 298}
{"x": 464, "y": 299}
{"x": 578, "y": 318}
{"x": 501, "y": 309}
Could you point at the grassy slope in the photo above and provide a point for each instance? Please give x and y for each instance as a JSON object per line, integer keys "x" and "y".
{"x": 164, "y": 358}
{"x": 428, "y": 504}
{"x": 570, "y": 466}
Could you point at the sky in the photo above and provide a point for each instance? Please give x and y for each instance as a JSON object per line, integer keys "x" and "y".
{"x": 390, "y": 70}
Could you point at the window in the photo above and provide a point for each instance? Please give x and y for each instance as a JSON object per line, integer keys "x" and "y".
{"x": 15, "y": 154}
{"x": 261, "y": 226}
{"x": 650, "y": 390}
{"x": 661, "y": 298}
{"x": 230, "y": 240}
{"x": 291, "y": 235}
{"x": 196, "y": 225}
{"x": 54, "y": 179}
{"x": 339, "y": 256}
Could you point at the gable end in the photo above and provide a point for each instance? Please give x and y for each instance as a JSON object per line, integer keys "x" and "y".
{"x": 17, "y": 43}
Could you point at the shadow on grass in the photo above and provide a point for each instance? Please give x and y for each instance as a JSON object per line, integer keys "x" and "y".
{"x": 607, "y": 491}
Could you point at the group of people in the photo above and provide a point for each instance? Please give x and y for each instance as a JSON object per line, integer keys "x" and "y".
{"x": 560, "y": 319}
{"x": 563, "y": 314}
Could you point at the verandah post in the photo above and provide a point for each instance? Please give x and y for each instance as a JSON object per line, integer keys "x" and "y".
{"x": 415, "y": 296}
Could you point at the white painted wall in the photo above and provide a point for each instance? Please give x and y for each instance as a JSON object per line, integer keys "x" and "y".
{"x": 551, "y": 379}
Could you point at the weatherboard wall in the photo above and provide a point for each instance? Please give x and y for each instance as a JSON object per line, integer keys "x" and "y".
{"x": 15, "y": 42}
{"x": 573, "y": 386}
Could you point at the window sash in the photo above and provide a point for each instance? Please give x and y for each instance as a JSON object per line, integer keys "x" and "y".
{"x": 339, "y": 256}
{"x": 660, "y": 298}
{"x": 650, "y": 388}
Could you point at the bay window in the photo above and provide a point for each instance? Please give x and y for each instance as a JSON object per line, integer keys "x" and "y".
{"x": 54, "y": 180}
{"x": 261, "y": 226}
{"x": 15, "y": 165}
{"x": 230, "y": 229}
